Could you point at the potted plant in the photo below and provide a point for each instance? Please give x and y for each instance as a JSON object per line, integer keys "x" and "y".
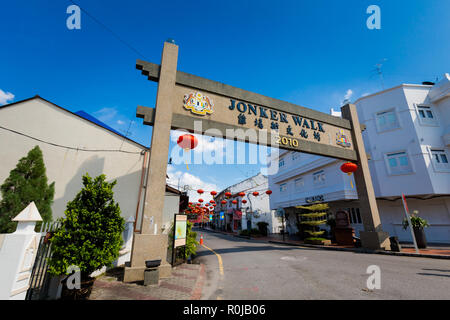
{"x": 90, "y": 236}
{"x": 418, "y": 224}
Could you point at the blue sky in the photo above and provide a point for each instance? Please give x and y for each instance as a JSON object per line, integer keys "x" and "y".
{"x": 312, "y": 53}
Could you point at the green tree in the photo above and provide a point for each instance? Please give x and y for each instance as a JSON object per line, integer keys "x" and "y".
{"x": 90, "y": 236}
{"x": 312, "y": 217}
{"x": 26, "y": 183}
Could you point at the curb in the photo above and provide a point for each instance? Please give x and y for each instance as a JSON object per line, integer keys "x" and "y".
{"x": 197, "y": 291}
{"x": 391, "y": 253}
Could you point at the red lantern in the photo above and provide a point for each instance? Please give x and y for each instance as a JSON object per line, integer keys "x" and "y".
{"x": 213, "y": 193}
{"x": 234, "y": 201}
{"x": 224, "y": 202}
{"x": 269, "y": 192}
{"x": 241, "y": 194}
{"x": 244, "y": 201}
{"x": 214, "y": 205}
{"x": 227, "y": 194}
{"x": 200, "y": 200}
{"x": 255, "y": 193}
{"x": 349, "y": 168}
{"x": 212, "y": 201}
{"x": 200, "y": 191}
{"x": 187, "y": 141}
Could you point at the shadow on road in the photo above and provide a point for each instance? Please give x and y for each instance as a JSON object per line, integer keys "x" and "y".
{"x": 434, "y": 274}
{"x": 248, "y": 248}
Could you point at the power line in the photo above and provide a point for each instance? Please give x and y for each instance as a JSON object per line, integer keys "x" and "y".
{"x": 67, "y": 147}
{"x": 109, "y": 30}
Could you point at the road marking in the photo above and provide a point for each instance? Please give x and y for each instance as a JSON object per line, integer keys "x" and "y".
{"x": 218, "y": 258}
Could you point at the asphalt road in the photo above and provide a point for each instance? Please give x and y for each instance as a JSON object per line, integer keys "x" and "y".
{"x": 260, "y": 270}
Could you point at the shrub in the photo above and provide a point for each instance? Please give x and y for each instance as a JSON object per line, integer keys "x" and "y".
{"x": 26, "y": 183}
{"x": 416, "y": 221}
{"x": 244, "y": 232}
{"x": 313, "y": 216}
{"x": 90, "y": 236}
{"x": 191, "y": 240}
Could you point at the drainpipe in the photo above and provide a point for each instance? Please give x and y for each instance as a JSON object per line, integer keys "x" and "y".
{"x": 144, "y": 164}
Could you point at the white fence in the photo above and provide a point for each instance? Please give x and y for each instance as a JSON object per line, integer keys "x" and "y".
{"x": 23, "y": 258}
{"x": 17, "y": 254}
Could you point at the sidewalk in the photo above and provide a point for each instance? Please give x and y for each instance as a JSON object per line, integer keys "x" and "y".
{"x": 186, "y": 283}
{"x": 438, "y": 251}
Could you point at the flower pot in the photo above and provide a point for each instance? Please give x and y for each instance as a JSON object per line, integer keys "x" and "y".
{"x": 78, "y": 294}
{"x": 421, "y": 240}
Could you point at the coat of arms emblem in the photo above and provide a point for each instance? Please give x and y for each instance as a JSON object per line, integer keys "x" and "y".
{"x": 198, "y": 103}
{"x": 341, "y": 139}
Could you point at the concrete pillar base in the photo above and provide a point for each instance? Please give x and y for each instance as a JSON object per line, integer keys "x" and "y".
{"x": 375, "y": 240}
{"x": 147, "y": 247}
{"x": 133, "y": 274}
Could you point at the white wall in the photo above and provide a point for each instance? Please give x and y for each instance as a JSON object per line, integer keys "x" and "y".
{"x": 43, "y": 120}
{"x": 412, "y": 136}
{"x": 337, "y": 184}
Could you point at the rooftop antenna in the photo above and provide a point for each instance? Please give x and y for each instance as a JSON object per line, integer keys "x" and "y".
{"x": 126, "y": 134}
{"x": 379, "y": 71}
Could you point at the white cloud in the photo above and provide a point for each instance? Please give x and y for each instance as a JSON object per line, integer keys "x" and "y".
{"x": 106, "y": 114}
{"x": 179, "y": 178}
{"x": 120, "y": 122}
{"x": 348, "y": 94}
{"x": 205, "y": 143}
{"x": 347, "y": 97}
{"x": 5, "y": 97}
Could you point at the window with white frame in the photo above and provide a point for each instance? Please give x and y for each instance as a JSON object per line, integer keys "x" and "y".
{"x": 398, "y": 163}
{"x": 440, "y": 159}
{"x": 281, "y": 163}
{"x": 299, "y": 183}
{"x": 426, "y": 115}
{"x": 283, "y": 187}
{"x": 387, "y": 120}
{"x": 319, "y": 178}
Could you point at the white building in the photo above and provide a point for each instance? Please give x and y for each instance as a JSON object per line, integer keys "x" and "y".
{"x": 73, "y": 144}
{"x": 407, "y": 137}
{"x": 242, "y": 216}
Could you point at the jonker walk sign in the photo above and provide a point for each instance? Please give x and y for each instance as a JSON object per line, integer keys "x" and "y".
{"x": 203, "y": 106}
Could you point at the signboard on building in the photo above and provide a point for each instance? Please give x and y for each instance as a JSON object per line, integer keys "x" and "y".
{"x": 318, "y": 198}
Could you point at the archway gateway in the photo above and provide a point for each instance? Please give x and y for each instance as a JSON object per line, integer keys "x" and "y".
{"x": 184, "y": 101}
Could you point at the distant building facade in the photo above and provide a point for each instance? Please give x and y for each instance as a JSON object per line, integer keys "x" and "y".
{"x": 407, "y": 138}
{"x": 243, "y": 216}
